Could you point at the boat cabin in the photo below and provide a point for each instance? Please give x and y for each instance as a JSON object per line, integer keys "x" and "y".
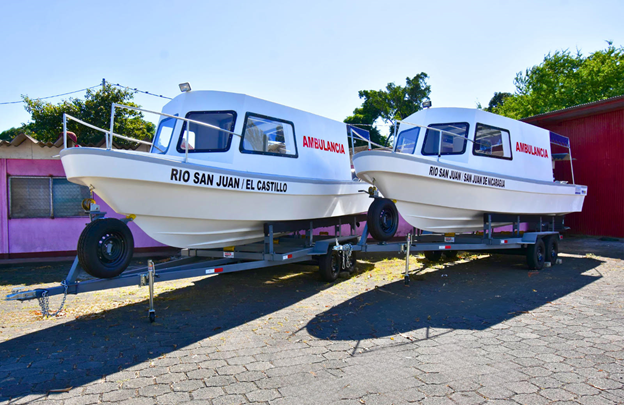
{"x": 260, "y": 136}
{"x": 478, "y": 140}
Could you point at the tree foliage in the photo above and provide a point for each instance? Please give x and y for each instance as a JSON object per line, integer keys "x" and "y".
{"x": 47, "y": 119}
{"x": 497, "y": 100}
{"x": 564, "y": 80}
{"x": 393, "y": 103}
{"x": 11, "y": 133}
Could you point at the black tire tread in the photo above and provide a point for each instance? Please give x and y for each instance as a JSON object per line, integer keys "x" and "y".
{"x": 373, "y": 219}
{"x": 87, "y": 256}
{"x": 433, "y": 255}
{"x": 325, "y": 266}
{"x": 532, "y": 261}
{"x": 548, "y": 241}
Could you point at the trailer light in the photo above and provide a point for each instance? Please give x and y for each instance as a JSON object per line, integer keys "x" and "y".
{"x": 184, "y": 87}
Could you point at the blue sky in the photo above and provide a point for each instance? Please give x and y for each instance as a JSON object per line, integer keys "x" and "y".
{"x": 312, "y": 55}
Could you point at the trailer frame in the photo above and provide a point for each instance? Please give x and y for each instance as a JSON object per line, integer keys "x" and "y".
{"x": 294, "y": 242}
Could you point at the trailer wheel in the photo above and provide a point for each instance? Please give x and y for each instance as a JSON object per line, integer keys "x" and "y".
{"x": 451, "y": 255}
{"x": 382, "y": 219}
{"x": 552, "y": 248}
{"x": 433, "y": 255}
{"x": 536, "y": 255}
{"x": 329, "y": 266}
{"x": 105, "y": 248}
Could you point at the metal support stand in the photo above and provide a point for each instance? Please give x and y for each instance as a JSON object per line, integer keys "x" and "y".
{"x": 151, "y": 273}
{"x": 407, "y": 257}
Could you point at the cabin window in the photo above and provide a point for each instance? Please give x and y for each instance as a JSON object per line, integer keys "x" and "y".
{"x": 453, "y": 139}
{"x": 492, "y": 142}
{"x": 406, "y": 141}
{"x": 45, "y": 197}
{"x": 163, "y": 135}
{"x": 202, "y": 138}
{"x": 269, "y": 136}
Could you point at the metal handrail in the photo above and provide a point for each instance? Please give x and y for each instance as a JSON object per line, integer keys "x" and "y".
{"x": 107, "y": 133}
{"x": 393, "y": 149}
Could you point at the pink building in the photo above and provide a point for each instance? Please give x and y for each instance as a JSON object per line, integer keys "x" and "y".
{"x": 40, "y": 212}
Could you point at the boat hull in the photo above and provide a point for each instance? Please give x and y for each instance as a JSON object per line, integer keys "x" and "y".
{"x": 194, "y": 206}
{"x": 439, "y": 197}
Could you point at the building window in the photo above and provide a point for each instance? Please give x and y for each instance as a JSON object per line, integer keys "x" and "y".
{"x": 206, "y": 139}
{"x": 45, "y": 197}
{"x": 268, "y": 136}
{"x": 492, "y": 142}
{"x": 406, "y": 142}
{"x": 453, "y": 139}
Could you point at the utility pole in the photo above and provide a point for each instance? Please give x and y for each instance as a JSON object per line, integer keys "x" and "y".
{"x": 103, "y": 84}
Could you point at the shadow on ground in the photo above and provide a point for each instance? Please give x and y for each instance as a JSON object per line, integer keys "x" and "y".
{"x": 80, "y": 351}
{"x": 473, "y": 295}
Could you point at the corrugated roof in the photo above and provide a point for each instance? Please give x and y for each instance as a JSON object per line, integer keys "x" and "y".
{"x": 585, "y": 108}
{"x": 59, "y": 143}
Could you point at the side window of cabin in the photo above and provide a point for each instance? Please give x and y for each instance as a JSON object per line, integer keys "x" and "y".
{"x": 492, "y": 142}
{"x": 269, "y": 136}
{"x": 453, "y": 139}
{"x": 203, "y": 138}
{"x": 163, "y": 135}
{"x": 406, "y": 141}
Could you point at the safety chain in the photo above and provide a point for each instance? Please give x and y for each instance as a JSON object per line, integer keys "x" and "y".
{"x": 346, "y": 257}
{"x": 44, "y": 302}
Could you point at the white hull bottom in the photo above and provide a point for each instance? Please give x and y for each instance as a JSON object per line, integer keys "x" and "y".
{"x": 455, "y": 200}
{"x": 442, "y": 219}
{"x": 202, "y": 233}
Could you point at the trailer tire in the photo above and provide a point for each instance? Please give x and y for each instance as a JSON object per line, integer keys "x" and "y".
{"x": 105, "y": 248}
{"x": 329, "y": 267}
{"x": 536, "y": 255}
{"x": 433, "y": 255}
{"x": 552, "y": 249}
{"x": 382, "y": 219}
{"x": 451, "y": 255}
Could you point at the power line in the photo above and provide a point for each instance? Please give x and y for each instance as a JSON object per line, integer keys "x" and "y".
{"x": 140, "y": 91}
{"x": 57, "y": 95}
{"x": 92, "y": 87}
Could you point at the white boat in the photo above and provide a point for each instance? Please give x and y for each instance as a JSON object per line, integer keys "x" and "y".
{"x": 482, "y": 163}
{"x": 251, "y": 161}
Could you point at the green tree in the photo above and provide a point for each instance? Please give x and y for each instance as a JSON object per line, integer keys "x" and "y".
{"x": 497, "y": 100}
{"x": 564, "y": 80}
{"x": 47, "y": 119}
{"x": 393, "y": 103}
{"x": 11, "y": 133}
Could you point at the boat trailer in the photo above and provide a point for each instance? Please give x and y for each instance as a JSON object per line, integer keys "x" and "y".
{"x": 295, "y": 242}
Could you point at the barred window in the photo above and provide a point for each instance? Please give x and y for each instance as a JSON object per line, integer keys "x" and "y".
{"x": 45, "y": 197}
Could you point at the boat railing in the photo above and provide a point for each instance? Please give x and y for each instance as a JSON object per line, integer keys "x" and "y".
{"x": 110, "y": 134}
{"x": 393, "y": 149}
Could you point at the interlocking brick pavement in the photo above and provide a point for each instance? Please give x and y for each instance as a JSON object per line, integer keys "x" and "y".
{"x": 471, "y": 332}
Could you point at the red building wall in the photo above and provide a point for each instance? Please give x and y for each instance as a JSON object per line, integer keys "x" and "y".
{"x": 597, "y": 142}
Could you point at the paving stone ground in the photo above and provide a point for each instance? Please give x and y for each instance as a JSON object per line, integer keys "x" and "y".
{"x": 481, "y": 330}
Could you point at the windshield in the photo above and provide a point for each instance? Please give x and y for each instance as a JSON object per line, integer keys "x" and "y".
{"x": 406, "y": 141}
{"x": 163, "y": 135}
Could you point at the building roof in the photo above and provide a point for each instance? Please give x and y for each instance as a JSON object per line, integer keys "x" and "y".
{"x": 26, "y": 147}
{"x": 578, "y": 111}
